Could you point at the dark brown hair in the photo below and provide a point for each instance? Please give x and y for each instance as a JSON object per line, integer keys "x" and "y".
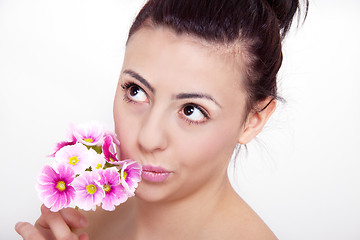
{"x": 260, "y": 24}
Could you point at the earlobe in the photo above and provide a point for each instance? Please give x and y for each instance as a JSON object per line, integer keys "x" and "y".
{"x": 256, "y": 120}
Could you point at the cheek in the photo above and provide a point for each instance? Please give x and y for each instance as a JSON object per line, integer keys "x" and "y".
{"x": 125, "y": 129}
{"x": 212, "y": 148}
{"x": 125, "y": 137}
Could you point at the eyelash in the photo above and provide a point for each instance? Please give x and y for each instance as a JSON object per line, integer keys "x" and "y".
{"x": 127, "y": 85}
{"x": 201, "y": 109}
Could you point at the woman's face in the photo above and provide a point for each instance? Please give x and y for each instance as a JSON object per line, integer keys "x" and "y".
{"x": 179, "y": 106}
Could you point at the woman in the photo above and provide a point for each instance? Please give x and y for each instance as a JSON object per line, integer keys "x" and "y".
{"x": 198, "y": 78}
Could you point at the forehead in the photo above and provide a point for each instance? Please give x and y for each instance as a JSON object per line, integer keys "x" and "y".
{"x": 158, "y": 53}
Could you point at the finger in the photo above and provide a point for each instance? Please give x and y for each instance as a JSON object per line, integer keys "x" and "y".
{"x": 55, "y": 222}
{"x": 28, "y": 231}
{"x": 73, "y": 218}
{"x": 42, "y": 222}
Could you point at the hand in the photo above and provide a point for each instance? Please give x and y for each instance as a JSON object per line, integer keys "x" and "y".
{"x": 54, "y": 225}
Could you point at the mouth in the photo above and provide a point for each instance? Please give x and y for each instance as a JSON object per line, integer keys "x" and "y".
{"x": 154, "y": 173}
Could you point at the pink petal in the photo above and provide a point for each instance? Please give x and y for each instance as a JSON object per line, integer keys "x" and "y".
{"x": 60, "y": 145}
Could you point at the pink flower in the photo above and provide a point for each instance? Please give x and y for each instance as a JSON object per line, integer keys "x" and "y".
{"x": 109, "y": 149}
{"x": 84, "y": 174}
{"x": 130, "y": 175}
{"x": 54, "y": 187}
{"x": 77, "y": 156}
{"x": 90, "y": 133}
{"x": 113, "y": 136}
{"x": 114, "y": 192}
{"x": 98, "y": 160}
{"x": 89, "y": 193}
{"x": 62, "y": 144}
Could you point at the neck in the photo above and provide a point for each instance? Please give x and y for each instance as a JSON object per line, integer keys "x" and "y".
{"x": 179, "y": 217}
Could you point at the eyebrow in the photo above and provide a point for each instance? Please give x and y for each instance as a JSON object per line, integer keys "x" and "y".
{"x": 140, "y": 79}
{"x": 178, "y": 96}
{"x": 196, "y": 95}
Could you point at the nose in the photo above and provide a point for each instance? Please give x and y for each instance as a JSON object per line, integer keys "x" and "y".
{"x": 152, "y": 135}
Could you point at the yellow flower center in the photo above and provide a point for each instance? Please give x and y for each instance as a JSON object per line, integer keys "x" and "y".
{"x": 107, "y": 188}
{"x": 125, "y": 175}
{"x": 73, "y": 160}
{"x": 98, "y": 166}
{"x": 61, "y": 186}
{"x": 91, "y": 189}
{"x": 88, "y": 140}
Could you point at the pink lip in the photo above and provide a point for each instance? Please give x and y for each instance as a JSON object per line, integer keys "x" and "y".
{"x": 154, "y": 174}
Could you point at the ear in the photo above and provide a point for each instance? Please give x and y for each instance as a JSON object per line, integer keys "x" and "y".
{"x": 256, "y": 120}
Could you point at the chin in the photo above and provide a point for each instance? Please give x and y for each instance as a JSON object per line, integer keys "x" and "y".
{"x": 153, "y": 193}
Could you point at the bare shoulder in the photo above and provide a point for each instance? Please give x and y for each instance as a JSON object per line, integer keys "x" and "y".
{"x": 237, "y": 220}
{"x": 107, "y": 224}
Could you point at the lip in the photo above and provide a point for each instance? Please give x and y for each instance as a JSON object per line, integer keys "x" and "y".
{"x": 154, "y": 173}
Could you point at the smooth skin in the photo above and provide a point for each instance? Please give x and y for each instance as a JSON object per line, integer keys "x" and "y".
{"x": 180, "y": 105}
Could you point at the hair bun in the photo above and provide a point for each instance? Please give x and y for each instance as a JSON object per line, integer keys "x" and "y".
{"x": 285, "y": 11}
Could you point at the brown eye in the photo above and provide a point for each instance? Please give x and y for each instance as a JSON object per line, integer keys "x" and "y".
{"x": 188, "y": 110}
{"x": 136, "y": 94}
{"x": 134, "y": 90}
{"x": 194, "y": 113}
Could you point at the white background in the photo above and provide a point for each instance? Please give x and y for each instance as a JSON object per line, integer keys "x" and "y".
{"x": 59, "y": 63}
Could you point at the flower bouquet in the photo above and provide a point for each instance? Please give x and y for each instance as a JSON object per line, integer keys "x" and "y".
{"x": 87, "y": 173}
